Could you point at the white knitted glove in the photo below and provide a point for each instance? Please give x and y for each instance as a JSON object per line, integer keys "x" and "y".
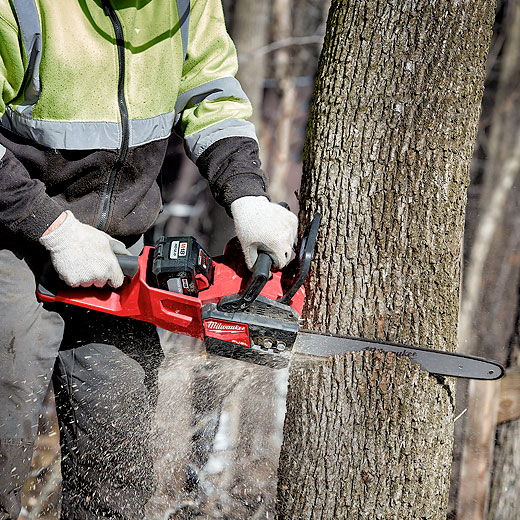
{"x": 83, "y": 255}
{"x": 265, "y": 226}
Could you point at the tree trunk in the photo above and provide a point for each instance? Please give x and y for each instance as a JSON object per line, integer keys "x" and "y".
{"x": 386, "y": 162}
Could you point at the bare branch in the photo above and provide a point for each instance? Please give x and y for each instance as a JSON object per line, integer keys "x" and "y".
{"x": 284, "y": 43}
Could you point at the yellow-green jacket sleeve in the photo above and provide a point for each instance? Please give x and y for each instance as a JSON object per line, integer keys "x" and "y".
{"x": 211, "y": 103}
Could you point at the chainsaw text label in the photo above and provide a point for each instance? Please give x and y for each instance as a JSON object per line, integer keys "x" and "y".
{"x": 399, "y": 353}
{"x": 229, "y": 331}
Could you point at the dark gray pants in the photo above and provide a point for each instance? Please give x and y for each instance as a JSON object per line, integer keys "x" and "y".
{"x": 104, "y": 373}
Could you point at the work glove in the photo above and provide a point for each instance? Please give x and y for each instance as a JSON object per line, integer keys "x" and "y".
{"x": 83, "y": 255}
{"x": 261, "y": 225}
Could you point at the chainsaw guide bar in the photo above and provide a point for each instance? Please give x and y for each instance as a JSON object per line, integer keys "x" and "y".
{"x": 433, "y": 361}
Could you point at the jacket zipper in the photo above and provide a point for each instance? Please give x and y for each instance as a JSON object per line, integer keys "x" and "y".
{"x": 123, "y": 111}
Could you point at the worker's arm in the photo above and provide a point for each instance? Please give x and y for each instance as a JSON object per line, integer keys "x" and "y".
{"x": 213, "y": 111}
{"x": 25, "y": 207}
{"x": 212, "y": 117}
{"x": 80, "y": 254}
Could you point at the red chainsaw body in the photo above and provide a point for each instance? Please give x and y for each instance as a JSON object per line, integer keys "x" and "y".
{"x": 172, "y": 311}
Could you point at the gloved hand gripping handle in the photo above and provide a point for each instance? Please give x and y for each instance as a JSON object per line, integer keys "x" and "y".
{"x": 262, "y": 272}
{"x": 49, "y": 281}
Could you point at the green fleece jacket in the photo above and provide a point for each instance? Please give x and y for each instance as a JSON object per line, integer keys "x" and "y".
{"x": 90, "y": 93}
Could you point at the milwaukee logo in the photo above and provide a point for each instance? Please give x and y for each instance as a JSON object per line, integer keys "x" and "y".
{"x": 224, "y": 327}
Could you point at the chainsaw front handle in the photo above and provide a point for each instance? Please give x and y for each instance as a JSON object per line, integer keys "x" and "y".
{"x": 261, "y": 273}
{"x": 260, "y": 276}
{"x": 297, "y": 274}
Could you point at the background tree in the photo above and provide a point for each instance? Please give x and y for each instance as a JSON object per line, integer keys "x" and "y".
{"x": 489, "y": 317}
{"x": 386, "y": 162}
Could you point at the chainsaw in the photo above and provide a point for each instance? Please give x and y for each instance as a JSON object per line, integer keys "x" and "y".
{"x": 250, "y": 316}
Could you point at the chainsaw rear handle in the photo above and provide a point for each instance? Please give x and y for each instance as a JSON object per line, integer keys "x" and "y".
{"x": 49, "y": 282}
{"x": 129, "y": 264}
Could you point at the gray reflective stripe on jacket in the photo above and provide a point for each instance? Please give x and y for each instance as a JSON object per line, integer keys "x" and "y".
{"x": 87, "y": 135}
{"x": 29, "y": 22}
{"x": 2, "y": 151}
{"x": 195, "y": 144}
{"x": 211, "y": 91}
{"x": 183, "y": 7}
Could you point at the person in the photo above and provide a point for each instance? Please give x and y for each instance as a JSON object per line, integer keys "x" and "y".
{"x": 90, "y": 93}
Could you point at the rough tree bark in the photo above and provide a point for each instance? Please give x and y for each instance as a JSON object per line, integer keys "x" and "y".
{"x": 386, "y": 162}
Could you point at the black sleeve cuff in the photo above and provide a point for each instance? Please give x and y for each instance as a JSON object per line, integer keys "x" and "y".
{"x": 44, "y": 211}
{"x": 232, "y": 167}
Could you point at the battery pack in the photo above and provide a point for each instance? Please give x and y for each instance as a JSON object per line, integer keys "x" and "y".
{"x": 181, "y": 264}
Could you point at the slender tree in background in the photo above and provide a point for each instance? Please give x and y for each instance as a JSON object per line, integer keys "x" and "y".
{"x": 497, "y": 326}
{"x": 386, "y": 162}
{"x": 250, "y": 32}
{"x": 504, "y": 497}
{"x": 281, "y": 145}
